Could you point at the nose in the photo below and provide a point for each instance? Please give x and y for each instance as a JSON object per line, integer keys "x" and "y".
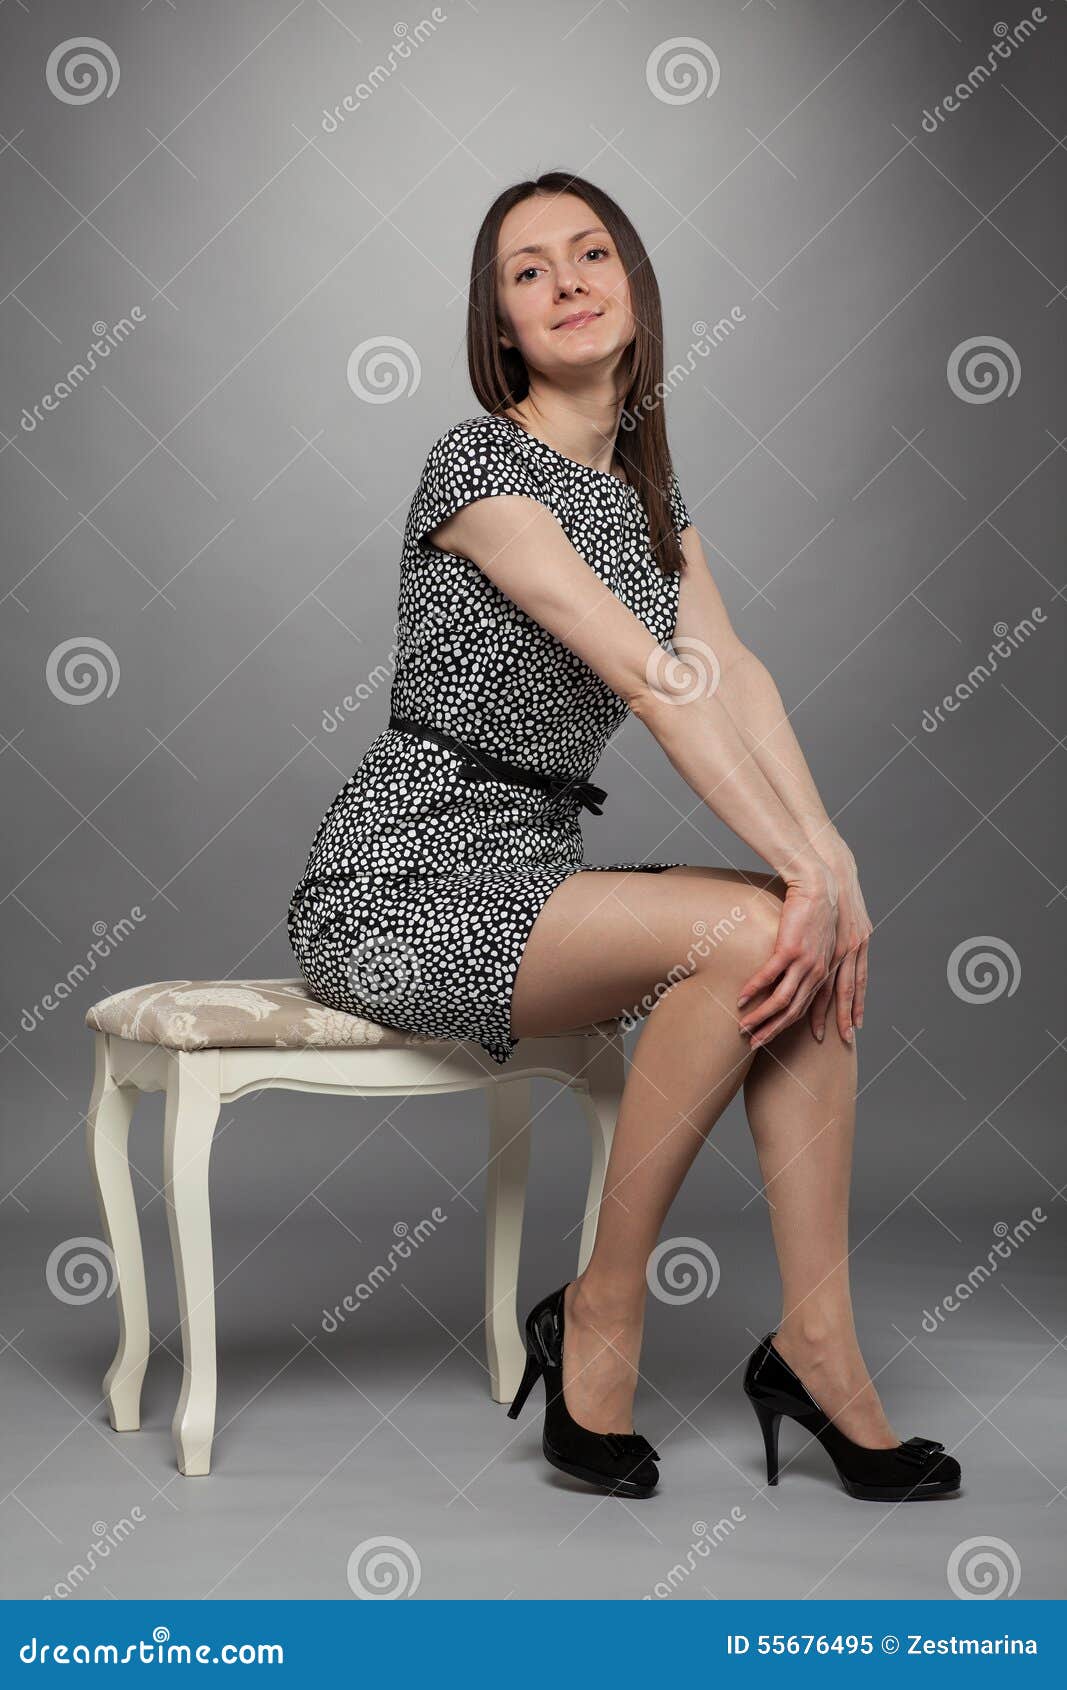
{"x": 569, "y": 280}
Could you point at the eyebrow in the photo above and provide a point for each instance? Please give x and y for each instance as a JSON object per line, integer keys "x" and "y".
{"x": 580, "y": 236}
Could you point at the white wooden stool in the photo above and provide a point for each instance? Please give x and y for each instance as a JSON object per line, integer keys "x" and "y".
{"x": 208, "y": 1042}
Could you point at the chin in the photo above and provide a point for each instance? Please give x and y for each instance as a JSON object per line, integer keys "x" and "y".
{"x": 590, "y": 341}
{"x": 583, "y": 357}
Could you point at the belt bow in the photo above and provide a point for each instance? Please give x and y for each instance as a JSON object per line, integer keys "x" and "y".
{"x": 588, "y": 794}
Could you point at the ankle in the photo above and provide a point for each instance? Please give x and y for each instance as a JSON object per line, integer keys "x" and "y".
{"x": 595, "y": 1303}
{"x": 818, "y": 1337}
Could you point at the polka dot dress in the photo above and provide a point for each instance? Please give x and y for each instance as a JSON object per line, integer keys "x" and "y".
{"x": 421, "y": 885}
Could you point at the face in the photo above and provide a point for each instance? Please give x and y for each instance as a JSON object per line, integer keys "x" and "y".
{"x": 575, "y": 273}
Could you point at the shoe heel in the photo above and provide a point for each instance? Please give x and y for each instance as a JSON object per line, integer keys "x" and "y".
{"x": 770, "y": 1419}
{"x": 527, "y": 1383}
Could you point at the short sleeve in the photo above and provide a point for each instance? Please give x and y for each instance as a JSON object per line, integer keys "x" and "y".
{"x": 469, "y": 461}
{"x": 680, "y": 515}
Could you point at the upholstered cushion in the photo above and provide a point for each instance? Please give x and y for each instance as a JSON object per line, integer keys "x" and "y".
{"x": 219, "y": 1014}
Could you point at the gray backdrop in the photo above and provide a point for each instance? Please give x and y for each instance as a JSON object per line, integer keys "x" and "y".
{"x": 201, "y": 546}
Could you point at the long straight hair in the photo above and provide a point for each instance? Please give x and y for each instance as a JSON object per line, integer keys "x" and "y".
{"x": 500, "y": 378}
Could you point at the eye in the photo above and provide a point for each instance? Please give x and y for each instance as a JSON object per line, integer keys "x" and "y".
{"x": 532, "y": 270}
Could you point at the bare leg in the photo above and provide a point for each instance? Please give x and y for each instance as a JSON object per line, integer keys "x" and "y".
{"x": 602, "y": 942}
{"x": 801, "y": 1103}
{"x": 690, "y": 1060}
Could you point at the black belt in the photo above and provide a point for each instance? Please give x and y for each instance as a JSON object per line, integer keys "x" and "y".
{"x": 478, "y": 765}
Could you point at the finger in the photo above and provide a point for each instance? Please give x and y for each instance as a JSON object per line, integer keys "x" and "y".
{"x": 846, "y": 986}
{"x": 793, "y": 1011}
{"x": 817, "y": 1014}
{"x": 778, "y": 1025}
{"x": 778, "y": 1000}
{"x": 819, "y": 1007}
{"x": 861, "y": 984}
{"x": 784, "y": 967}
{"x": 764, "y": 976}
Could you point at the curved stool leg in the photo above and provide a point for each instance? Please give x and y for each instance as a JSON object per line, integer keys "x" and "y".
{"x": 107, "y": 1136}
{"x": 606, "y": 1075}
{"x": 192, "y": 1112}
{"x": 505, "y": 1200}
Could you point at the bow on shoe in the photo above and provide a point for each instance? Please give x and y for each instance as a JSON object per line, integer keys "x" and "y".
{"x": 628, "y": 1443}
{"x": 919, "y": 1450}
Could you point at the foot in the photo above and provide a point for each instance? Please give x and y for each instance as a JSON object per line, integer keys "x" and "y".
{"x": 833, "y": 1371}
{"x": 601, "y": 1350}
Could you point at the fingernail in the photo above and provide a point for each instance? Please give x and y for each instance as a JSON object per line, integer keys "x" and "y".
{"x": 848, "y": 1036}
{"x": 821, "y": 1034}
{"x": 742, "y": 1001}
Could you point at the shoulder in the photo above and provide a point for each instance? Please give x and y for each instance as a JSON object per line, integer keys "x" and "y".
{"x": 474, "y": 459}
{"x": 477, "y": 448}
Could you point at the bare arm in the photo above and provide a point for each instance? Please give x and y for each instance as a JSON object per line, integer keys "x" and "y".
{"x": 525, "y": 552}
{"x": 748, "y": 692}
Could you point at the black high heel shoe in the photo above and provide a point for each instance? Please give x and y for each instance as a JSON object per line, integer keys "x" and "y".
{"x": 621, "y": 1463}
{"x": 914, "y": 1469}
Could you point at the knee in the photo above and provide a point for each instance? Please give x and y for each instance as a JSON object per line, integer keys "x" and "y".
{"x": 757, "y": 926}
{"x": 742, "y": 937}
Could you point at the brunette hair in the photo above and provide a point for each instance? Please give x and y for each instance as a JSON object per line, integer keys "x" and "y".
{"x": 500, "y": 378}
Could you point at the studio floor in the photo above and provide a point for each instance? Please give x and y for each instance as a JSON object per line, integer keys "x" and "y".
{"x": 384, "y": 1429}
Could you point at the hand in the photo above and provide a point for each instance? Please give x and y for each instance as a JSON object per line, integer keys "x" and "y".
{"x": 801, "y": 959}
{"x": 847, "y": 982}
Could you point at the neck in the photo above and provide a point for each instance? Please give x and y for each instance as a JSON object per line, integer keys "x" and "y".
{"x": 580, "y": 425}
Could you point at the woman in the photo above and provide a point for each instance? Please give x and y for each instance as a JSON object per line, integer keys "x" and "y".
{"x": 548, "y": 561}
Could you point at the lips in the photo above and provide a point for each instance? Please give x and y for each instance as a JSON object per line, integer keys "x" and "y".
{"x": 578, "y": 318}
